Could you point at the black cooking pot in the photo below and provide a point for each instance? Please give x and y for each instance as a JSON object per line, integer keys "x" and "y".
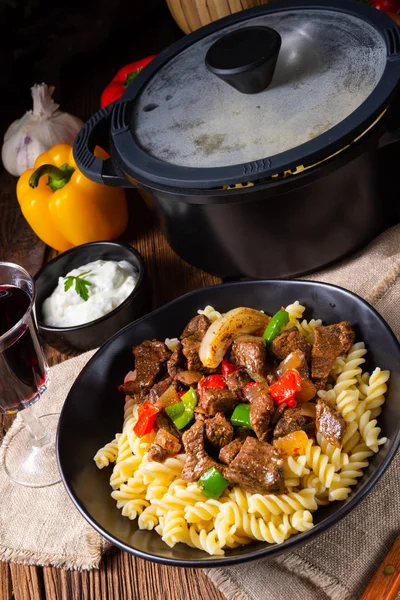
{"x": 255, "y": 138}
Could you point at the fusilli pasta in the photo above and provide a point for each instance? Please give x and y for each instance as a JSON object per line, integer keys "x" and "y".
{"x": 295, "y": 311}
{"x": 349, "y": 474}
{"x": 179, "y": 512}
{"x": 210, "y": 313}
{"x": 376, "y": 388}
{"x": 319, "y": 463}
{"x": 171, "y": 343}
{"x": 108, "y": 454}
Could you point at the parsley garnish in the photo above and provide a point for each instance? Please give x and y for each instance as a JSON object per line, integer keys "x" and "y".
{"x": 81, "y": 285}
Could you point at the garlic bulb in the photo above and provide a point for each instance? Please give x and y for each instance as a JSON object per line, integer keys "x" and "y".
{"x": 37, "y": 131}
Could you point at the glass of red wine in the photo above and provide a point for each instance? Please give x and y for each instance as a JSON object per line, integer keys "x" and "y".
{"x": 29, "y": 456}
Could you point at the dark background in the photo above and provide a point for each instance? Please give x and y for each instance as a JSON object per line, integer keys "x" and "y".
{"x": 78, "y": 46}
{"x": 72, "y": 42}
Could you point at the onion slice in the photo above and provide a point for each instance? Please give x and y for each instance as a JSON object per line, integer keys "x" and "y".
{"x": 226, "y": 329}
{"x": 170, "y": 396}
{"x": 306, "y": 392}
{"x": 308, "y": 410}
{"x": 294, "y": 360}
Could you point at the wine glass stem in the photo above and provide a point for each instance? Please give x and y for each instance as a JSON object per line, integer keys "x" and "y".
{"x": 35, "y": 427}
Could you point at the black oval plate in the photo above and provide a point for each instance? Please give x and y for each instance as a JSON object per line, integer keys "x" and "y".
{"x": 93, "y": 410}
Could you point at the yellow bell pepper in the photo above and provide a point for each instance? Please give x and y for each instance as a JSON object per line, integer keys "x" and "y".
{"x": 65, "y": 208}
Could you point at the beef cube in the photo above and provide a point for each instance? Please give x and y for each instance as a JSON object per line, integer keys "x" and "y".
{"x": 132, "y": 388}
{"x": 157, "y": 453}
{"x": 199, "y": 416}
{"x": 330, "y": 423}
{"x": 197, "y": 460}
{"x": 197, "y": 326}
{"x": 237, "y": 380}
{"x": 190, "y": 349}
{"x": 159, "y": 388}
{"x": 329, "y": 343}
{"x": 219, "y": 432}
{"x": 165, "y": 445}
{"x": 250, "y": 352}
{"x": 320, "y": 384}
{"x": 213, "y": 400}
{"x": 279, "y": 410}
{"x": 228, "y": 452}
{"x": 177, "y": 361}
{"x": 289, "y": 341}
{"x": 258, "y": 468}
{"x": 242, "y": 433}
{"x": 292, "y": 420}
{"x": 191, "y": 339}
{"x": 164, "y": 422}
{"x": 262, "y": 408}
{"x": 150, "y": 357}
{"x": 189, "y": 377}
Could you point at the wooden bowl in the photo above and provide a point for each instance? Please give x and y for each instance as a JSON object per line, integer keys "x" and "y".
{"x": 193, "y": 14}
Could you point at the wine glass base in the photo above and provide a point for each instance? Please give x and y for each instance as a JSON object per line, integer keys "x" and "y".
{"x": 33, "y": 465}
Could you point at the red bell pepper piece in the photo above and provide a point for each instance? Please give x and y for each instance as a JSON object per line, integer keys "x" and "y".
{"x": 283, "y": 390}
{"x": 227, "y": 367}
{"x": 122, "y": 79}
{"x": 391, "y": 6}
{"x": 147, "y": 413}
{"x": 291, "y": 402}
{"x": 212, "y": 381}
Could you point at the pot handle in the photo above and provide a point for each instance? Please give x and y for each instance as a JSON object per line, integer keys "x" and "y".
{"x": 96, "y": 132}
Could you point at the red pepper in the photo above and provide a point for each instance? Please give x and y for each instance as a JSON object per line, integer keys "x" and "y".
{"x": 392, "y": 6}
{"x": 283, "y": 390}
{"x": 147, "y": 413}
{"x": 291, "y": 402}
{"x": 122, "y": 79}
{"x": 212, "y": 381}
{"x": 227, "y": 367}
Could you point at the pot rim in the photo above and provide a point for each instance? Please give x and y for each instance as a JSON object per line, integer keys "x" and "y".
{"x": 138, "y": 164}
{"x": 277, "y": 186}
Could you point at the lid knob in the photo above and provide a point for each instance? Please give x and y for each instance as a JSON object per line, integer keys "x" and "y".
{"x": 245, "y": 58}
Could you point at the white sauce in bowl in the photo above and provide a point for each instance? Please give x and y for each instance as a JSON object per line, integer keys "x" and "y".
{"x": 111, "y": 283}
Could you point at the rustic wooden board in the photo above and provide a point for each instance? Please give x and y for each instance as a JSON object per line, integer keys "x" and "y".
{"x": 122, "y": 576}
{"x": 5, "y": 582}
{"x": 26, "y": 582}
{"x": 80, "y": 80}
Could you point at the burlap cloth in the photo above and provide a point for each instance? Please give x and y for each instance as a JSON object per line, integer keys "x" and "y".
{"x": 42, "y": 527}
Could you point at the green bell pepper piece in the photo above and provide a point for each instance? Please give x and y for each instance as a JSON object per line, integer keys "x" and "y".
{"x": 212, "y": 483}
{"x": 241, "y": 416}
{"x": 189, "y": 399}
{"x": 183, "y": 412}
{"x": 274, "y": 327}
{"x": 175, "y": 410}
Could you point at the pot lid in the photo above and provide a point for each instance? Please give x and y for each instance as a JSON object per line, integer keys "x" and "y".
{"x": 192, "y": 126}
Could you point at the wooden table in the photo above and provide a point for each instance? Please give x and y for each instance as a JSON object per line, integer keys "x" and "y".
{"x": 65, "y": 50}
{"x": 79, "y": 81}
{"x": 120, "y": 576}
